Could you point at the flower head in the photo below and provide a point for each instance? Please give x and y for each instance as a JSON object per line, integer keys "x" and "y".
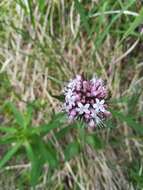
{"x": 85, "y": 99}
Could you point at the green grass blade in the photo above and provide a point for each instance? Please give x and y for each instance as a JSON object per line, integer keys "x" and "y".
{"x": 41, "y": 5}
{"x": 9, "y": 154}
{"x": 138, "y": 20}
{"x": 31, "y": 13}
{"x": 84, "y": 17}
{"x": 55, "y": 80}
{"x": 129, "y": 120}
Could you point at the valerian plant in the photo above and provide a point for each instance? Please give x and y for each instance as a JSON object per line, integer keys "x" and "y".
{"x": 84, "y": 102}
{"x": 24, "y": 138}
{"x": 85, "y": 107}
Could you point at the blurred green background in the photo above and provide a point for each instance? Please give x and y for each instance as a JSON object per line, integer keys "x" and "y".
{"x": 45, "y": 43}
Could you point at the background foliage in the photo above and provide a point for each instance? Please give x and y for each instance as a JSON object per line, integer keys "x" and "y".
{"x": 44, "y": 43}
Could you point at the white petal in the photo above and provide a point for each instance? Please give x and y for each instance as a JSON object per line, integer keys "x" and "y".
{"x": 102, "y": 102}
{"x": 80, "y": 105}
{"x": 97, "y": 119}
{"x": 97, "y": 109}
{"x": 102, "y": 109}
{"x": 87, "y": 106}
{"x": 87, "y": 111}
{"x": 81, "y": 112}
{"x": 78, "y": 109}
{"x": 93, "y": 114}
{"x": 97, "y": 100}
{"x": 94, "y": 106}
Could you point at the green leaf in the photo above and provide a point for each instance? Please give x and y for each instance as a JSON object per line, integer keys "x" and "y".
{"x": 56, "y": 122}
{"x": 7, "y": 129}
{"x": 76, "y": 125}
{"x": 28, "y": 116}
{"x": 7, "y": 139}
{"x": 72, "y": 150}
{"x": 62, "y": 133}
{"x": 9, "y": 154}
{"x": 41, "y": 5}
{"x": 18, "y": 116}
{"x": 138, "y": 20}
{"x": 36, "y": 164}
{"x": 48, "y": 153}
{"x": 94, "y": 141}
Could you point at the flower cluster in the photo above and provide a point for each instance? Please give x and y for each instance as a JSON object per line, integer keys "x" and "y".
{"x": 85, "y": 99}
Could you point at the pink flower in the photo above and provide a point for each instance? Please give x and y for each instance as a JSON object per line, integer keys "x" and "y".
{"x": 85, "y": 99}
